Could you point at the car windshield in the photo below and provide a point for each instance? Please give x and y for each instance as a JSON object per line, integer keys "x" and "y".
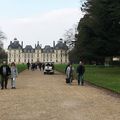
{"x": 48, "y": 64}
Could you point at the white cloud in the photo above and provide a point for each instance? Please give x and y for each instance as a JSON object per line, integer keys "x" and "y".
{"x": 45, "y": 27}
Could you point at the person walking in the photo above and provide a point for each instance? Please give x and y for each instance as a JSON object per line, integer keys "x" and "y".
{"x": 43, "y": 66}
{"x": 4, "y": 72}
{"x": 69, "y": 72}
{"x": 80, "y": 71}
{"x": 28, "y": 65}
{"x": 14, "y": 74}
{"x": 40, "y": 65}
{"x": 66, "y": 67}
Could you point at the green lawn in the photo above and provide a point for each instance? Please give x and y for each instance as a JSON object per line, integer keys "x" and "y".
{"x": 105, "y": 77}
{"x": 21, "y": 67}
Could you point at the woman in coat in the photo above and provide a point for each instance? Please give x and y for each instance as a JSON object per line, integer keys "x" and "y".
{"x": 14, "y": 74}
{"x": 69, "y": 73}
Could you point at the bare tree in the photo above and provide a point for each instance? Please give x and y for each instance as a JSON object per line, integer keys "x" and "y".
{"x": 2, "y": 36}
{"x": 69, "y": 36}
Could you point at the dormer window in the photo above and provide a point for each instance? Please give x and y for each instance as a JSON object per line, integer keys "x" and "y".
{"x": 9, "y": 48}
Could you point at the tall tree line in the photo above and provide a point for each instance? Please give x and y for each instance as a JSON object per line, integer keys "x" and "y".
{"x": 98, "y": 31}
{"x": 3, "y": 54}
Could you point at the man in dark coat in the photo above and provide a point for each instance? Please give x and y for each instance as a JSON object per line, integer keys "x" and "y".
{"x": 28, "y": 65}
{"x": 40, "y": 65}
{"x": 80, "y": 71}
{"x": 4, "y": 72}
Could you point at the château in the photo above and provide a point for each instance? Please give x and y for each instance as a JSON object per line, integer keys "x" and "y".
{"x": 58, "y": 53}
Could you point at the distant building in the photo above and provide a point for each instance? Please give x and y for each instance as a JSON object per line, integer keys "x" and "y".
{"x": 1, "y": 44}
{"x": 57, "y": 54}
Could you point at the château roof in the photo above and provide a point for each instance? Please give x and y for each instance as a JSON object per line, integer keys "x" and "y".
{"x": 61, "y": 45}
{"x": 38, "y": 46}
{"x": 28, "y": 48}
{"x": 48, "y": 49}
{"x": 15, "y": 45}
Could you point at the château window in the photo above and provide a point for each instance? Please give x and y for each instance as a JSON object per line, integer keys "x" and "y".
{"x": 37, "y": 54}
{"x": 32, "y": 55}
{"x": 9, "y": 54}
{"x": 56, "y": 55}
{"x": 61, "y": 53}
{"x": 25, "y": 55}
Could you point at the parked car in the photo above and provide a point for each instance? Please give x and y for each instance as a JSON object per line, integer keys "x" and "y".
{"x": 49, "y": 68}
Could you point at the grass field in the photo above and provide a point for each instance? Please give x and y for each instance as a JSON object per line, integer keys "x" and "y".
{"x": 21, "y": 67}
{"x": 104, "y": 77}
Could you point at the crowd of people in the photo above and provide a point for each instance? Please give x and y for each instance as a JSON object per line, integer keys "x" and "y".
{"x": 12, "y": 72}
{"x": 35, "y": 65}
{"x": 69, "y": 70}
{"x": 6, "y": 72}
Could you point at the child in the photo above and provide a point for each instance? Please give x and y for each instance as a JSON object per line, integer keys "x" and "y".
{"x": 14, "y": 74}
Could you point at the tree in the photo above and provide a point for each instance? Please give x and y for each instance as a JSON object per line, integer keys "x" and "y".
{"x": 99, "y": 30}
{"x": 2, "y": 36}
{"x": 69, "y": 36}
{"x": 3, "y": 54}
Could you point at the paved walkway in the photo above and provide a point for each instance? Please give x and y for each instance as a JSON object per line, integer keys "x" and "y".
{"x": 47, "y": 97}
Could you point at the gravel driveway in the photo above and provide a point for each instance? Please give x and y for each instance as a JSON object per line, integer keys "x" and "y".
{"x": 47, "y": 97}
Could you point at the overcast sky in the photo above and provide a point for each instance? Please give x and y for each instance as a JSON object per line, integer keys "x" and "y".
{"x": 38, "y": 20}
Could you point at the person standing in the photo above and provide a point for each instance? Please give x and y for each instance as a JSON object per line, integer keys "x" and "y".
{"x": 4, "y": 72}
{"x": 28, "y": 65}
{"x": 69, "y": 72}
{"x": 66, "y": 67}
{"x": 14, "y": 74}
{"x": 43, "y": 66}
{"x": 80, "y": 71}
{"x": 40, "y": 65}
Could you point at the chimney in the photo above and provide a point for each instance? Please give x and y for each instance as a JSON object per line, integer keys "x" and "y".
{"x": 53, "y": 44}
{"x": 38, "y": 43}
{"x": 41, "y": 45}
{"x": 65, "y": 41}
{"x": 22, "y": 44}
{"x": 61, "y": 40}
{"x": 15, "y": 39}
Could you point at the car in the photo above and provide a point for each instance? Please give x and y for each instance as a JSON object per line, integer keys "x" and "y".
{"x": 49, "y": 68}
